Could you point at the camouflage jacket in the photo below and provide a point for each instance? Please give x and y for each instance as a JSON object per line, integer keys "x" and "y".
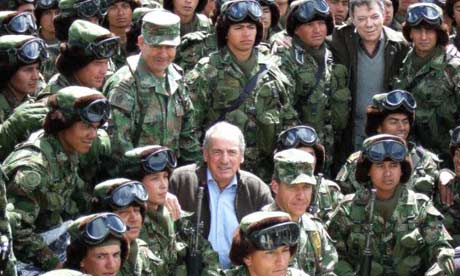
{"x": 48, "y": 67}
{"x": 56, "y": 82}
{"x": 321, "y": 96}
{"x": 45, "y": 189}
{"x": 200, "y": 23}
{"x": 424, "y": 176}
{"x": 243, "y": 271}
{"x": 409, "y": 243}
{"x": 316, "y": 254}
{"x": 5, "y": 228}
{"x": 327, "y": 198}
{"x": 436, "y": 88}
{"x": 141, "y": 261}
{"x": 163, "y": 105}
{"x": 193, "y": 47}
{"x": 216, "y": 83}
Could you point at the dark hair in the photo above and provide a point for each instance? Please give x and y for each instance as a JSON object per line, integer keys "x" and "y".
{"x": 62, "y": 24}
{"x": 131, "y": 38}
{"x": 223, "y": 24}
{"x": 292, "y": 22}
{"x": 450, "y": 9}
{"x": 169, "y": 5}
{"x": 375, "y": 118}
{"x": 368, "y": 3}
{"x": 132, "y": 3}
{"x": 441, "y": 31}
{"x": 8, "y": 72}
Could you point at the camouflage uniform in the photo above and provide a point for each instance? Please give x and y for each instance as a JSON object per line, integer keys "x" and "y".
{"x": 48, "y": 68}
{"x": 436, "y": 88}
{"x": 423, "y": 180}
{"x": 199, "y": 23}
{"x": 5, "y": 229}
{"x": 193, "y": 47}
{"x": 329, "y": 196}
{"x": 243, "y": 271}
{"x": 141, "y": 261}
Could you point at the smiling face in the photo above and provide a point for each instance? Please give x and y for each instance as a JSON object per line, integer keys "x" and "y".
{"x": 79, "y": 137}
{"x": 157, "y": 57}
{"x": 397, "y": 124}
{"x": 368, "y": 21}
{"x": 268, "y": 262}
{"x": 425, "y": 40}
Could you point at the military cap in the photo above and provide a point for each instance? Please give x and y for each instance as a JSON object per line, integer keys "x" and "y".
{"x": 294, "y": 166}
{"x": 82, "y": 33}
{"x": 13, "y": 41}
{"x": 261, "y": 216}
{"x": 150, "y": 4}
{"x": 161, "y": 27}
{"x": 64, "y": 272}
{"x": 292, "y": 22}
{"x": 138, "y": 13}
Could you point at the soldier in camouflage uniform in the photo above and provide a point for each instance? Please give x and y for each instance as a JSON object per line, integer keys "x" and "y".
{"x": 263, "y": 244}
{"x": 21, "y": 56}
{"x": 243, "y": 86}
{"x": 149, "y": 102}
{"x": 321, "y": 95}
{"x": 7, "y": 260}
{"x": 191, "y": 18}
{"x": 128, "y": 199}
{"x": 432, "y": 76}
{"x": 43, "y": 182}
{"x": 292, "y": 184}
{"x": 394, "y": 113}
{"x": 97, "y": 245}
{"x": 167, "y": 238}
{"x": 327, "y": 193}
{"x": 405, "y": 231}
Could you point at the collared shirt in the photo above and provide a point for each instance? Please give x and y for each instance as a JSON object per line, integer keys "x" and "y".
{"x": 223, "y": 218}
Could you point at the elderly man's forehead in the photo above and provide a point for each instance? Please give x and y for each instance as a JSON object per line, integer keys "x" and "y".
{"x": 224, "y": 138}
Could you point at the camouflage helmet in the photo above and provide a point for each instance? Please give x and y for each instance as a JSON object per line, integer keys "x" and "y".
{"x": 65, "y": 272}
{"x": 321, "y": 12}
{"x": 19, "y": 50}
{"x": 82, "y": 8}
{"x": 14, "y": 22}
{"x": 150, "y": 4}
{"x": 364, "y": 163}
{"x": 294, "y": 166}
{"x": 136, "y": 162}
{"x": 379, "y": 110}
{"x": 454, "y": 140}
{"x": 161, "y": 27}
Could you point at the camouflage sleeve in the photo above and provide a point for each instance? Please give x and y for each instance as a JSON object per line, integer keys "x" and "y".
{"x": 329, "y": 253}
{"x": 23, "y": 192}
{"x": 190, "y": 150}
{"x": 346, "y": 176}
{"x": 340, "y": 99}
{"x": 288, "y": 67}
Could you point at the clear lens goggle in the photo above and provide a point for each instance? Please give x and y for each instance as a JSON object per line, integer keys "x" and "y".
{"x": 22, "y": 23}
{"x": 124, "y": 195}
{"x": 238, "y": 11}
{"x": 291, "y": 138}
{"x": 275, "y": 236}
{"x": 159, "y": 160}
{"x": 99, "y": 228}
{"x": 396, "y": 98}
{"x": 381, "y": 150}
{"x": 96, "y": 112}
{"x": 423, "y": 12}
{"x": 308, "y": 10}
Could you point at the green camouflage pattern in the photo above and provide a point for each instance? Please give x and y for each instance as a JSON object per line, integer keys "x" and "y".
{"x": 216, "y": 82}
{"x": 193, "y": 47}
{"x": 423, "y": 180}
{"x": 243, "y": 271}
{"x": 83, "y": 32}
{"x": 436, "y": 89}
{"x": 169, "y": 113}
{"x": 48, "y": 67}
{"x": 141, "y": 261}
{"x": 322, "y": 103}
{"x": 46, "y": 190}
{"x": 199, "y": 23}
{"x": 161, "y": 27}
{"x": 56, "y": 83}
{"x": 316, "y": 254}
{"x": 409, "y": 243}
{"x": 5, "y": 227}
{"x": 329, "y": 197}
{"x": 294, "y": 166}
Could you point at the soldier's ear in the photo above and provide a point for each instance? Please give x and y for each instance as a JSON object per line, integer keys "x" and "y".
{"x": 275, "y": 186}
{"x": 247, "y": 261}
{"x": 140, "y": 40}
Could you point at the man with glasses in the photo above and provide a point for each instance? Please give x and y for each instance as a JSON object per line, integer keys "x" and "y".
{"x": 373, "y": 55}
{"x": 321, "y": 97}
{"x": 432, "y": 75}
{"x": 386, "y": 228}
{"x": 242, "y": 85}
{"x": 293, "y": 183}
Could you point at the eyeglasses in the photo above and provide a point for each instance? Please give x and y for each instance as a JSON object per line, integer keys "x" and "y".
{"x": 291, "y": 138}
{"x": 90, "y": 8}
{"x": 275, "y": 236}
{"x": 396, "y": 98}
{"x": 128, "y": 193}
{"x": 455, "y": 136}
{"x": 105, "y": 48}
{"x": 158, "y": 161}
{"x": 46, "y": 4}
{"x": 30, "y": 52}
{"x": 308, "y": 10}
{"x": 22, "y": 23}
{"x": 99, "y": 228}
{"x": 379, "y": 151}
{"x": 238, "y": 11}
{"x": 423, "y": 12}
{"x": 96, "y": 112}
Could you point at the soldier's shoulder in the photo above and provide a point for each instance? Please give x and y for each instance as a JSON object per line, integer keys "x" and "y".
{"x": 394, "y": 36}
{"x": 353, "y": 158}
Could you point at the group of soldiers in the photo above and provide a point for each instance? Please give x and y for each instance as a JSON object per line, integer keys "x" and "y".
{"x": 229, "y": 137}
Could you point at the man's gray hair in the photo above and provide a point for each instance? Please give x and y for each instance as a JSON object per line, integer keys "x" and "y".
{"x": 227, "y": 130}
{"x": 368, "y": 3}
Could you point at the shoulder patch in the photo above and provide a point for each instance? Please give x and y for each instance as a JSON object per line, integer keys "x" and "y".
{"x": 354, "y": 156}
{"x": 27, "y": 179}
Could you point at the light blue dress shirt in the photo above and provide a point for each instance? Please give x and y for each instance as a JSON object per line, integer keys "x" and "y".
{"x": 223, "y": 218}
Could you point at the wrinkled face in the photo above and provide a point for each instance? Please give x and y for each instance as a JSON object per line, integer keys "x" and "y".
{"x": 132, "y": 217}
{"x": 93, "y": 74}
{"x": 223, "y": 157}
{"x": 424, "y": 40}
{"x": 457, "y": 13}
{"x": 241, "y": 37}
{"x": 388, "y": 17}
{"x": 46, "y": 21}
{"x": 268, "y": 262}
{"x": 385, "y": 176}
{"x": 339, "y": 9}
{"x": 312, "y": 33}
{"x": 157, "y": 57}
{"x": 368, "y": 22}
{"x": 293, "y": 199}
{"x": 25, "y": 80}
{"x": 266, "y": 17}
{"x": 119, "y": 15}
{"x": 395, "y": 124}
{"x": 156, "y": 185}
{"x": 185, "y": 8}
{"x": 79, "y": 137}
{"x": 102, "y": 260}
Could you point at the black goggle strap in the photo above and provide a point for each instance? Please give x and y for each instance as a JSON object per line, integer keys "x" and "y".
{"x": 99, "y": 228}
{"x": 270, "y": 238}
{"x": 126, "y": 194}
{"x": 15, "y": 54}
{"x": 381, "y": 150}
{"x": 159, "y": 160}
{"x": 97, "y": 111}
{"x": 455, "y": 136}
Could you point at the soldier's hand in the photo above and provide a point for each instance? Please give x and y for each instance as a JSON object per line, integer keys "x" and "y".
{"x": 30, "y": 115}
{"x": 446, "y": 194}
{"x": 173, "y": 206}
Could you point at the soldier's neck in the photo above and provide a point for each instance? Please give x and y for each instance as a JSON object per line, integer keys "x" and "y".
{"x": 241, "y": 56}
{"x": 120, "y": 32}
{"x": 186, "y": 19}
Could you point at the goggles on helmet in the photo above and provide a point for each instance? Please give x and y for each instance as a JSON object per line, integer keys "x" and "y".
{"x": 239, "y": 10}
{"x": 99, "y": 228}
{"x": 308, "y": 10}
{"x": 455, "y": 137}
{"x": 96, "y": 112}
{"x": 396, "y": 98}
{"x": 29, "y": 52}
{"x": 105, "y": 48}
{"x": 159, "y": 160}
{"x": 22, "y": 23}
{"x": 270, "y": 238}
{"x": 381, "y": 150}
{"x": 124, "y": 195}
{"x": 423, "y": 12}
{"x": 90, "y": 8}
{"x": 46, "y": 4}
{"x": 291, "y": 138}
